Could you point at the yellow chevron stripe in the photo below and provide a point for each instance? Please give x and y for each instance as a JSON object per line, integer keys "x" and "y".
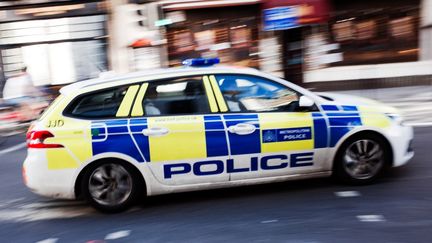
{"x": 220, "y": 99}
{"x": 137, "y": 109}
{"x": 126, "y": 104}
{"x": 210, "y": 95}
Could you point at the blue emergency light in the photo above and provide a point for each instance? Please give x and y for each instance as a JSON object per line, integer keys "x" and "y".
{"x": 201, "y": 62}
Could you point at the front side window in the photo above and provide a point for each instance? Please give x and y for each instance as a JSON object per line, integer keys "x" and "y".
{"x": 103, "y": 104}
{"x": 245, "y": 93}
{"x": 176, "y": 97}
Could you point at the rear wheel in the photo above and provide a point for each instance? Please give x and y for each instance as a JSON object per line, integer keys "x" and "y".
{"x": 110, "y": 186}
{"x": 361, "y": 159}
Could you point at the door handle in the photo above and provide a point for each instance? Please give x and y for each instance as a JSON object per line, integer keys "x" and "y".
{"x": 242, "y": 129}
{"x": 155, "y": 131}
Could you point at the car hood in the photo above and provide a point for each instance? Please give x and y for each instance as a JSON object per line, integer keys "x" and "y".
{"x": 344, "y": 99}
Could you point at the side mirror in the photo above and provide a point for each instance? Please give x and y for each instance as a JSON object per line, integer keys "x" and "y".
{"x": 306, "y": 102}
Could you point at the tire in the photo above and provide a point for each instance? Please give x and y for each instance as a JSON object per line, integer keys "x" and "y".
{"x": 111, "y": 186}
{"x": 361, "y": 159}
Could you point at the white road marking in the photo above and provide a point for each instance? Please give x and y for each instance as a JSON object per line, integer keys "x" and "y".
{"x": 117, "y": 235}
{"x": 49, "y": 240}
{"x": 347, "y": 194}
{"x": 52, "y": 204}
{"x": 269, "y": 221}
{"x": 13, "y": 148}
{"x": 371, "y": 218}
{"x": 29, "y": 212}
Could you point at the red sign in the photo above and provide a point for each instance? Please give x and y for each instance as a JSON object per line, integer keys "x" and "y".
{"x": 309, "y": 11}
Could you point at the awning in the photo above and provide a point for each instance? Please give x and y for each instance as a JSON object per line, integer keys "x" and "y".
{"x": 309, "y": 11}
{"x": 141, "y": 43}
{"x": 171, "y": 5}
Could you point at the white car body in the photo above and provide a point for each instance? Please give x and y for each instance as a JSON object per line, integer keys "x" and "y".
{"x": 55, "y": 172}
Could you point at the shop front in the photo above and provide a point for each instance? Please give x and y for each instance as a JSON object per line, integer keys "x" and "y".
{"x": 226, "y": 29}
{"x": 374, "y": 32}
{"x": 295, "y": 23}
{"x": 367, "y": 43}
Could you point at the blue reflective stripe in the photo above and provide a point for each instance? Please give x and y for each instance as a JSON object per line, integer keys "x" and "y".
{"x": 341, "y": 114}
{"x": 337, "y": 133}
{"x": 342, "y": 122}
{"x": 119, "y": 140}
{"x": 244, "y": 144}
{"x": 116, "y": 126}
{"x": 216, "y": 142}
{"x": 120, "y": 122}
{"x": 241, "y": 117}
{"x": 329, "y": 107}
{"x": 212, "y": 118}
{"x": 211, "y": 123}
{"x": 345, "y": 121}
{"x": 320, "y": 131}
{"x": 349, "y": 108}
{"x": 140, "y": 121}
{"x": 136, "y": 127}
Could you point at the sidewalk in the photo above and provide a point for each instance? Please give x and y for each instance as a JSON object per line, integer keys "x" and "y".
{"x": 415, "y": 102}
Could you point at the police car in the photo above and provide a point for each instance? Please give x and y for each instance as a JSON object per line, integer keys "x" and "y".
{"x": 115, "y": 139}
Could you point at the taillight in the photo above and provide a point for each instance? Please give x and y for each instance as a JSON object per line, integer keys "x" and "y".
{"x": 36, "y": 139}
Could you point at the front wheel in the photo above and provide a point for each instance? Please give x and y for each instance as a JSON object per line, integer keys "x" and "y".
{"x": 361, "y": 159}
{"x": 110, "y": 187}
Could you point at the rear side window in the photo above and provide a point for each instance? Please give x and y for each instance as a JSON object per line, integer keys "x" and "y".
{"x": 175, "y": 97}
{"x": 103, "y": 104}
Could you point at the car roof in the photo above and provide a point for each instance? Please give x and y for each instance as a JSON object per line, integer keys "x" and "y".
{"x": 156, "y": 74}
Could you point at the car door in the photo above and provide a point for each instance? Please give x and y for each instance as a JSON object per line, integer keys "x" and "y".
{"x": 176, "y": 126}
{"x": 268, "y": 134}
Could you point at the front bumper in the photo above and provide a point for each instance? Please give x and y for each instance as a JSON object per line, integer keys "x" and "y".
{"x": 401, "y": 138}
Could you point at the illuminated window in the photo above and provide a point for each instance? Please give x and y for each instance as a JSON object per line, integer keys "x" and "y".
{"x": 402, "y": 28}
{"x": 365, "y": 30}
{"x": 343, "y": 31}
{"x": 183, "y": 41}
{"x": 205, "y": 39}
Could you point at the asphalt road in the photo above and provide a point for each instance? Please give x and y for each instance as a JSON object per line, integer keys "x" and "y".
{"x": 396, "y": 209}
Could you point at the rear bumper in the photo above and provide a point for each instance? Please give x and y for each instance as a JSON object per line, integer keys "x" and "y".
{"x": 44, "y": 181}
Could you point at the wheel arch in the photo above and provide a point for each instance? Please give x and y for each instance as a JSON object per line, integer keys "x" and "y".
{"x": 137, "y": 172}
{"x": 360, "y": 133}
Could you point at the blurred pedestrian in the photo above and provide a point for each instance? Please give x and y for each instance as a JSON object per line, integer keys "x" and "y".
{"x": 19, "y": 88}
{"x": 20, "y": 92}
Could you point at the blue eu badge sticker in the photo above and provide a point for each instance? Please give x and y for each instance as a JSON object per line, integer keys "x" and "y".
{"x": 269, "y": 136}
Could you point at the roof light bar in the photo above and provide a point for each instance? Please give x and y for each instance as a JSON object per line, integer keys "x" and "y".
{"x": 201, "y": 62}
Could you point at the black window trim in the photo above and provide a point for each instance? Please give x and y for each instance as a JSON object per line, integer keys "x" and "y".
{"x": 66, "y": 112}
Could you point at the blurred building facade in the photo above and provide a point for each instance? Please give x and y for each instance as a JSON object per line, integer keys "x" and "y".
{"x": 373, "y": 41}
{"x": 60, "y": 42}
{"x": 306, "y": 41}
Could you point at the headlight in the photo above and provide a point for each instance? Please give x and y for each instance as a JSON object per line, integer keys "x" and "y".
{"x": 397, "y": 118}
